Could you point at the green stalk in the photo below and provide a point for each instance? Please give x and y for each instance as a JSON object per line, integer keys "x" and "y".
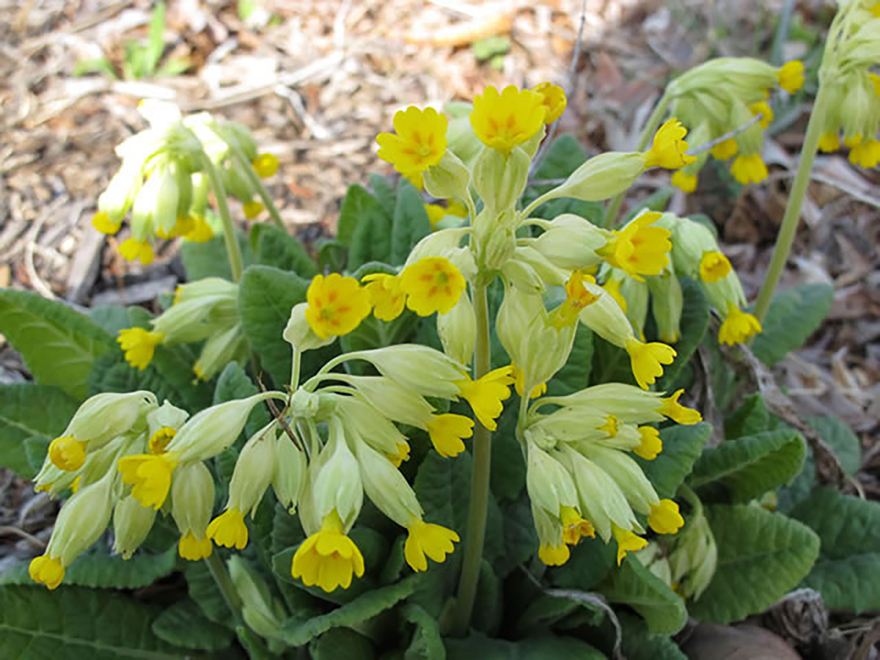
{"x": 476, "y": 525}
{"x": 787, "y": 231}
{"x": 257, "y": 183}
{"x": 647, "y": 133}
{"x": 224, "y": 582}
{"x": 233, "y": 251}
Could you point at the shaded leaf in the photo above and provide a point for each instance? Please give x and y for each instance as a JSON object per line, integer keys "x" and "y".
{"x": 339, "y": 643}
{"x": 750, "y": 418}
{"x": 681, "y": 447}
{"x": 694, "y": 323}
{"x": 183, "y": 624}
{"x": 410, "y": 222}
{"x": 662, "y": 609}
{"x": 794, "y": 315}
{"x": 426, "y": 643}
{"x": 575, "y": 375}
{"x": 277, "y": 248}
{"x": 209, "y": 259}
{"x": 479, "y": 647}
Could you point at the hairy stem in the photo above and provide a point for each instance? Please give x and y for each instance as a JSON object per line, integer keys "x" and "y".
{"x": 476, "y": 525}
{"x": 233, "y": 251}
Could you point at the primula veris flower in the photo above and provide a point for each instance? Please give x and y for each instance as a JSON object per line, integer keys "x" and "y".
{"x": 265, "y": 165}
{"x": 627, "y": 541}
{"x": 386, "y": 296}
{"x": 714, "y": 266}
{"x": 724, "y": 150}
{"x": 762, "y": 108}
{"x": 229, "y": 529}
{"x": 139, "y": 345}
{"x": 336, "y": 305}
{"x": 647, "y": 360}
{"x": 574, "y": 526}
{"x": 678, "y": 413}
{"x": 639, "y": 248}
{"x": 791, "y": 76}
{"x": 401, "y": 455}
{"x": 431, "y": 285}
{"x": 829, "y": 142}
{"x": 665, "y": 518}
{"x": 519, "y": 382}
{"x": 102, "y": 222}
{"x": 150, "y": 475}
{"x": 749, "y": 169}
{"x": 669, "y": 147}
{"x": 553, "y": 99}
{"x": 134, "y": 250}
{"x": 687, "y": 183}
{"x": 66, "y": 453}
{"x": 612, "y": 286}
{"x": 428, "y": 539}
{"x": 447, "y": 431}
{"x": 47, "y": 571}
{"x": 436, "y": 212}
{"x": 865, "y": 154}
{"x": 419, "y": 142}
{"x": 577, "y": 298}
{"x": 252, "y": 209}
{"x": 199, "y": 232}
{"x": 485, "y": 395}
{"x": 554, "y": 555}
{"x": 853, "y": 140}
{"x": 193, "y": 549}
{"x": 328, "y": 558}
{"x": 502, "y": 121}
{"x": 738, "y": 327}
{"x": 650, "y": 444}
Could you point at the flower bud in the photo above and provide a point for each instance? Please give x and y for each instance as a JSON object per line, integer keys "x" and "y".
{"x": 117, "y": 199}
{"x": 221, "y": 349}
{"x": 254, "y": 470}
{"x": 571, "y": 242}
{"x": 626, "y": 473}
{"x": 377, "y": 430}
{"x": 523, "y": 277}
{"x": 458, "y": 330}
{"x": 667, "y": 305}
{"x": 605, "y": 318}
{"x": 386, "y": 487}
{"x": 694, "y": 557}
{"x": 550, "y": 273}
{"x": 636, "y": 295}
{"x": 261, "y": 612}
{"x": 549, "y": 484}
{"x": 192, "y": 499}
{"x": 408, "y": 364}
{"x": 393, "y": 401}
{"x": 289, "y": 476}
{"x": 82, "y": 520}
{"x": 104, "y": 416}
{"x": 448, "y": 179}
{"x": 337, "y": 481}
{"x": 131, "y": 524}
{"x": 299, "y": 333}
{"x": 601, "y": 177}
{"x": 500, "y": 179}
{"x": 166, "y": 416}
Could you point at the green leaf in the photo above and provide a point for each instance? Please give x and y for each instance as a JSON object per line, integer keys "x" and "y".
{"x": 443, "y": 488}
{"x": 488, "y": 605}
{"x": 575, "y": 375}
{"x": 681, "y": 447}
{"x": 275, "y": 247}
{"x": 384, "y": 193}
{"x": 426, "y": 643}
{"x": 479, "y": 647}
{"x": 590, "y": 562}
{"x": 209, "y": 259}
{"x": 743, "y": 469}
{"x": 114, "y": 318}
{"x": 111, "y": 373}
{"x": 371, "y": 236}
{"x": 341, "y": 643}
{"x": 298, "y": 631}
{"x": 156, "y": 42}
{"x": 761, "y": 556}
{"x": 520, "y": 541}
{"x": 183, "y": 624}
{"x": 508, "y": 475}
{"x": 634, "y": 585}
{"x": 843, "y": 442}
{"x": 74, "y": 623}
{"x": 29, "y": 410}
{"x": 694, "y": 323}
{"x": 847, "y": 573}
{"x": 750, "y": 418}
{"x": 546, "y": 611}
{"x": 173, "y": 67}
{"x": 611, "y": 364}
{"x": 332, "y": 256}
{"x": 638, "y": 644}
{"x": 563, "y": 157}
{"x": 793, "y": 316}
{"x": 488, "y": 47}
{"x": 233, "y": 384}
{"x": 95, "y": 65}
{"x": 656, "y": 201}
{"x": 410, "y": 223}
{"x": 356, "y": 204}
{"x": 57, "y": 343}
{"x": 205, "y": 592}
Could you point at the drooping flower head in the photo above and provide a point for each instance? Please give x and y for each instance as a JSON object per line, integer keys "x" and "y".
{"x": 328, "y": 558}
{"x": 669, "y": 147}
{"x": 640, "y": 248}
{"x": 738, "y": 327}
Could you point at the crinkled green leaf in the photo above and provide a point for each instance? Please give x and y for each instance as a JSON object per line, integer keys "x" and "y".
{"x": 332, "y": 256}
{"x": 234, "y": 383}
{"x": 384, "y": 193}
{"x": 479, "y": 647}
{"x": 847, "y": 573}
{"x": 426, "y": 643}
{"x": 843, "y": 442}
{"x": 638, "y": 644}
{"x": 508, "y": 477}
{"x": 410, "y": 222}
{"x": 750, "y": 418}
{"x": 546, "y": 611}
{"x": 339, "y": 643}
{"x": 209, "y": 259}
{"x": 681, "y": 447}
{"x": 761, "y": 556}
{"x": 488, "y": 604}
{"x": 634, "y": 585}
{"x": 520, "y": 537}
{"x": 183, "y": 624}
{"x": 742, "y": 469}
{"x": 57, "y": 343}
{"x": 205, "y": 592}
{"x": 590, "y": 562}
{"x": 356, "y": 203}
{"x": 277, "y": 248}
{"x": 794, "y": 315}
{"x": 694, "y": 323}
{"x": 372, "y": 226}
{"x": 111, "y": 373}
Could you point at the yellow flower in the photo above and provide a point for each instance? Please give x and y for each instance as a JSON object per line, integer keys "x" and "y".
{"x": 650, "y": 444}
{"x": 101, "y": 221}
{"x": 724, "y": 150}
{"x": 436, "y": 212}
{"x": 265, "y": 165}
{"x": 665, "y": 518}
{"x": 829, "y": 142}
{"x": 336, "y": 305}
{"x": 401, "y": 455}
{"x": 193, "y": 549}
{"x": 199, "y": 231}
{"x": 639, "y": 249}
{"x": 252, "y": 209}
{"x": 46, "y": 570}
{"x": 647, "y": 359}
{"x": 150, "y": 475}
{"x": 627, "y": 541}
{"x": 67, "y": 453}
{"x": 575, "y": 527}
{"x": 749, "y": 169}
{"x": 428, "y": 539}
{"x": 554, "y": 555}
{"x": 577, "y": 297}
{"x": 791, "y": 76}
{"x": 866, "y": 154}
{"x": 714, "y": 266}
{"x": 160, "y": 439}
{"x": 328, "y": 558}
{"x": 132, "y": 250}
{"x": 762, "y": 108}
{"x": 738, "y": 327}
{"x": 502, "y": 121}
{"x": 611, "y": 426}
{"x": 678, "y": 413}
{"x": 873, "y": 76}
{"x": 612, "y": 286}
{"x": 432, "y": 284}
{"x": 852, "y": 140}
{"x": 668, "y": 149}
{"x": 553, "y": 99}
{"x": 415, "y": 178}
{"x": 686, "y": 183}
{"x": 446, "y": 432}
{"x": 386, "y": 296}
{"x": 519, "y": 383}
{"x": 228, "y": 529}
{"x": 139, "y": 345}
{"x": 486, "y": 394}
{"x": 420, "y": 141}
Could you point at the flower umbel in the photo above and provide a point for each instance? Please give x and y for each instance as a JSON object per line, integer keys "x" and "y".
{"x": 150, "y": 475}
{"x": 639, "y": 248}
{"x": 336, "y": 305}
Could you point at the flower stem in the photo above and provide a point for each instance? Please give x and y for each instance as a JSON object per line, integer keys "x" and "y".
{"x": 785, "y": 238}
{"x": 255, "y": 180}
{"x": 476, "y": 525}
{"x": 233, "y": 251}
{"x": 224, "y": 583}
{"x": 647, "y": 132}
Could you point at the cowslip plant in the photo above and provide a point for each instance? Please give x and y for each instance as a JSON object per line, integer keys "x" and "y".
{"x": 467, "y": 425}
